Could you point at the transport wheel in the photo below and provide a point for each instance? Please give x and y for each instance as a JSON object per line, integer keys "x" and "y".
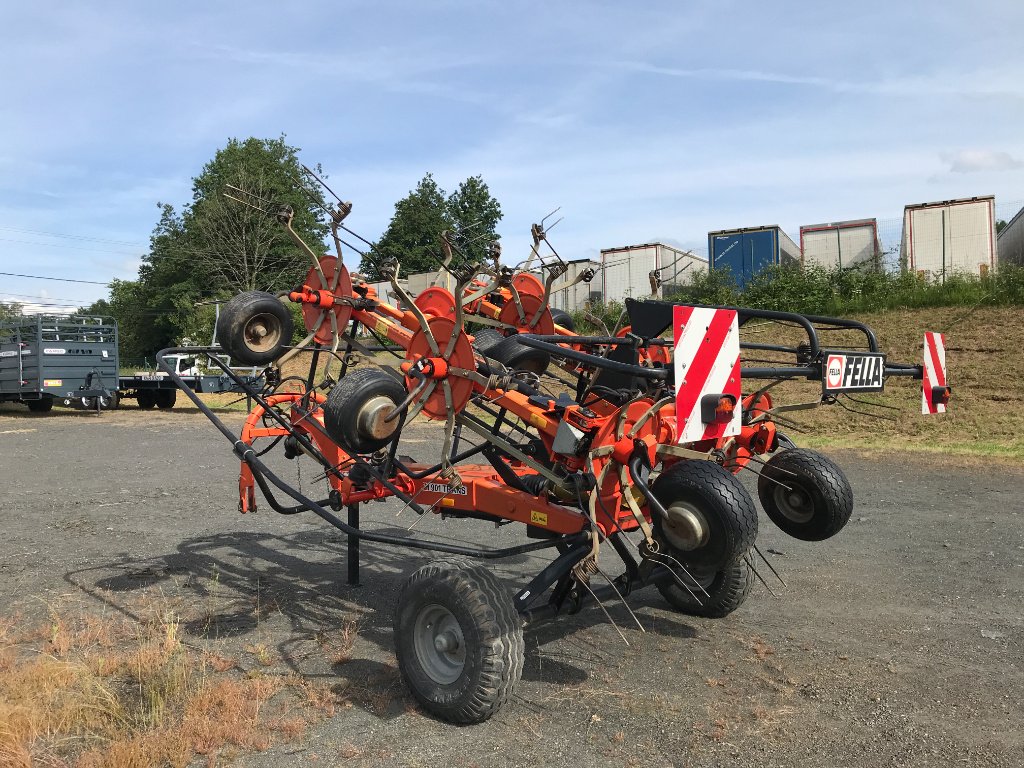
{"x": 805, "y": 494}
{"x": 254, "y": 328}
{"x": 515, "y": 355}
{"x": 726, "y": 590}
{"x": 563, "y": 318}
{"x": 487, "y": 338}
{"x": 42, "y": 405}
{"x": 146, "y": 399}
{"x": 459, "y": 640}
{"x": 712, "y": 522}
{"x": 165, "y": 398}
{"x": 355, "y": 409}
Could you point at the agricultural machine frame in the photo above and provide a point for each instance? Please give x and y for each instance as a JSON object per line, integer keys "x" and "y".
{"x": 636, "y": 453}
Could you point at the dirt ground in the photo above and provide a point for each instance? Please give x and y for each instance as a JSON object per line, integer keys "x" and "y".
{"x": 898, "y": 643}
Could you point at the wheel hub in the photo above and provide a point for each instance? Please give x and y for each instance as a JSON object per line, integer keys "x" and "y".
{"x": 686, "y": 528}
{"x": 794, "y": 503}
{"x": 371, "y": 418}
{"x": 439, "y": 644}
{"x": 262, "y": 333}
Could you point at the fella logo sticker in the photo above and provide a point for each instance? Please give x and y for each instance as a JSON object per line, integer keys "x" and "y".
{"x": 853, "y": 372}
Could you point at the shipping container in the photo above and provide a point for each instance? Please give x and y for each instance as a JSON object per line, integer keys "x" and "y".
{"x": 951, "y": 236}
{"x": 841, "y": 244}
{"x": 574, "y": 297}
{"x": 627, "y": 272}
{"x": 749, "y": 251}
{"x": 1010, "y": 241}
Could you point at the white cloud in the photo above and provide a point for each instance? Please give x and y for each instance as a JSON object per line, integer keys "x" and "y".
{"x": 980, "y": 160}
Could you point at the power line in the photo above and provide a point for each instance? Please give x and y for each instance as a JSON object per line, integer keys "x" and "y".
{"x": 59, "y": 279}
{"x": 72, "y": 237}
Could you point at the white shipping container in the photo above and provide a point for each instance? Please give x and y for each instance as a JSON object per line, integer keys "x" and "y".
{"x": 840, "y": 244}
{"x": 1010, "y": 242}
{"x": 626, "y": 272}
{"x": 949, "y": 237}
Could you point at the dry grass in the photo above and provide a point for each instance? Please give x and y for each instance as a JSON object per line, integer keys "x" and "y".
{"x": 986, "y": 371}
{"x": 90, "y": 692}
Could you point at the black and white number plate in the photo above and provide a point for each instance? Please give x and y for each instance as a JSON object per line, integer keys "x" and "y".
{"x": 852, "y": 372}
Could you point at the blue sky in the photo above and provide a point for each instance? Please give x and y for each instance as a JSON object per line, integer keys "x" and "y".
{"x": 643, "y": 121}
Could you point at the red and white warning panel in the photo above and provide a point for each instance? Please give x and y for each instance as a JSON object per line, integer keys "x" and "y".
{"x": 707, "y": 372}
{"x": 934, "y": 389}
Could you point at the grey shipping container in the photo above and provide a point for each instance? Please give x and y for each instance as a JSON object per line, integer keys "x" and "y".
{"x": 951, "y": 236}
{"x": 1010, "y": 241}
{"x": 749, "y": 251}
{"x": 47, "y": 357}
{"x": 626, "y": 272}
{"x": 841, "y": 244}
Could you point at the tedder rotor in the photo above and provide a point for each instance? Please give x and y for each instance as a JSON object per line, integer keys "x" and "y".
{"x": 627, "y": 442}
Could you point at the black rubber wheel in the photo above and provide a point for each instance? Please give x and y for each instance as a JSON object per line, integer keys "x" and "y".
{"x": 713, "y": 523}
{"x": 355, "y": 410}
{"x": 563, "y": 318}
{"x": 459, "y": 641}
{"x": 146, "y": 399}
{"x": 166, "y": 398}
{"x": 486, "y": 338}
{"x": 254, "y": 327}
{"x": 805, "y": 494}
{"x": 42, "y": 405}
{"x": 515, "y": 355}
{"x": 726, "y": 590}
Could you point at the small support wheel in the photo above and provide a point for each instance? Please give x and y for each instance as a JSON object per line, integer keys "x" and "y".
{"x": 563, "y": 318}
{"x": 459, "y": 640}
{"x": 254, "y": 327}
{"x": 486, "y": 338}
{"x": 355, "y": 410}
{"x": 105, "y": 403}
{"x": 712, "y": 523}
{"x": 515, "y": 355}
{"x": 805, "y": 494}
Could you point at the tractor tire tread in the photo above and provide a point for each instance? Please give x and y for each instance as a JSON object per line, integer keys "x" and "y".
{"x": 502, "y": 648}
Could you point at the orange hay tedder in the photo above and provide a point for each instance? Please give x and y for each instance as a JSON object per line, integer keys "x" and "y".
{"x": 628, "y": 442}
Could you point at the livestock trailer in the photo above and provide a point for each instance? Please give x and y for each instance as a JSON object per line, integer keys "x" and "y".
{"x": 841, "y": 244}
{"x": 574, "y": 295}
{"x": 749, "y": 251}
{"x": 1010, "y": 241}
{"x": 951, "y": 236}
{"x": 638, "y": 271}
{"x": 44, "y": 358}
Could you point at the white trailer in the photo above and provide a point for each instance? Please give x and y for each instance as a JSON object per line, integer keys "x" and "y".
{"x": 1010, "y": 241}
{"x": 574, "y": 297}
{"x": 638, "y": 271}
{"x": 950, "y": 237}
{"x": 841, "y": 244}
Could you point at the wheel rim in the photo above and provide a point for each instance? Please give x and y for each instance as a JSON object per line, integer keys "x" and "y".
{"x": 794, "y": 503}
{"x": 263, "y": 332}
{"x": 439, "y": 644}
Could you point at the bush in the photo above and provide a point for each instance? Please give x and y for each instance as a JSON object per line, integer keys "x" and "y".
{"x": 819, "y": 291}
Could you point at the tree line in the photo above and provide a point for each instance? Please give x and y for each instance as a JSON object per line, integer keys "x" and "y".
{"x": 227, "y": 240}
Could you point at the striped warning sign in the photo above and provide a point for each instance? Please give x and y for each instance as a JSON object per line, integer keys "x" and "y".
{"x": 707, "y": 372}
{"x": 934, "y": 390}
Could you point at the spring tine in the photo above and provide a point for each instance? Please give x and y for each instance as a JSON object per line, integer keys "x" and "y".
{"x": 621, "y": 598}
{"x": 604, "y": 610}
{"x": 769, "y": 564}
{"x": 750, "y": 564}
{"x": 657, "y": 557}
